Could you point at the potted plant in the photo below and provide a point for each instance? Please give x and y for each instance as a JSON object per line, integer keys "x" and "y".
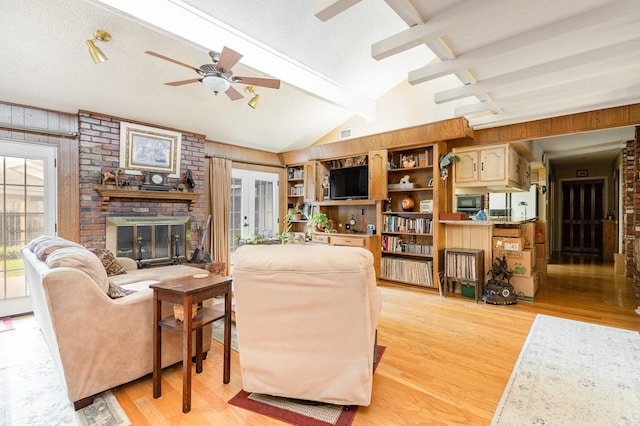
{"x": 294, "y": 213}
{"x": 318, "y": 222}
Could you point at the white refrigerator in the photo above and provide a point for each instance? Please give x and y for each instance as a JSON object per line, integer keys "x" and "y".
{"x": 516, "y": 205}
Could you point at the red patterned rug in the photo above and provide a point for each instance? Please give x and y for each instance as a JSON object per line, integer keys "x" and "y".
{"x": 297, "y": 412}
{"x": 6, "y": 324}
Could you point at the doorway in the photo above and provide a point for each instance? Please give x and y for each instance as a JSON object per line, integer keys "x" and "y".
{"x": 583, "y": 208}
{"x": 254, "y": 206}
{"x": 28, "y": 209}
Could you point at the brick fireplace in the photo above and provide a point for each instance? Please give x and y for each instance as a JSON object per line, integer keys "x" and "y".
{"x": 150, "y": 240}
{"x": 99, "y": 147}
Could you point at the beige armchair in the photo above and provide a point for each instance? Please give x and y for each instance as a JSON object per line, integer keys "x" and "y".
{"x": 306, "y": 318}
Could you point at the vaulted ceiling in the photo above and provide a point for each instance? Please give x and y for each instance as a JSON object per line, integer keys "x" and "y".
{"x": 493, "y": 62}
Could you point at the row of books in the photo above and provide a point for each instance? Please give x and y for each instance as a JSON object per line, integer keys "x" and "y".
{"x": 461, "y": 266}
{"x": 420, "y": 225}
{"x": 413, "y": 271}
{"x": 296, "y": 190}
{"x": 296, "y": 173}
{"x": 395, "y": 244}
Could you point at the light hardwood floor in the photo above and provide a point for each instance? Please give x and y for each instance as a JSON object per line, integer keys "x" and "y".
{"x": 447, "y": 360}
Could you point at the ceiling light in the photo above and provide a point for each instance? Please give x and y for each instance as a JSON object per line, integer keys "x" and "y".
{"x": 253, "y": 103}
{"x": 96, "y": 54}
{"x": 216, "y": 84}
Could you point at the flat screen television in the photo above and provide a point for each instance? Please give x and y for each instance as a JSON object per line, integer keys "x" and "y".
{"x": 349, "y": 183}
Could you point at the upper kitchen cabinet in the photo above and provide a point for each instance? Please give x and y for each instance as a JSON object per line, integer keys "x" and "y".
{"x": 496, "y": 167}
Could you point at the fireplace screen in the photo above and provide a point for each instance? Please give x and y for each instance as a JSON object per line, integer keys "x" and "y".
{"x": 150, "y": 240}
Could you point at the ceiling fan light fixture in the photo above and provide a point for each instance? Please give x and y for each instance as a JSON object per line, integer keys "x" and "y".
{"x": 216, "y": 84}
{"x": 98, "y": 55}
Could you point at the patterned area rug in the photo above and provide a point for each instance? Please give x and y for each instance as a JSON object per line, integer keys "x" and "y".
{"x": 32, "y": 392}
{"x": 573, "y": 373}
{"x": 6, "y": 324}
{"x": 297, "y": 412}
{"x": 218, "y": 333}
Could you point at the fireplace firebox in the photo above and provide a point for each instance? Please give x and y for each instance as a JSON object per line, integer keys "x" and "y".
{"x": 158, "y": 240}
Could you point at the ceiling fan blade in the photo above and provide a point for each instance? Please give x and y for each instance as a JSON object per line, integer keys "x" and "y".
{"x": 181, "y": 82}
{"x": 233, "y": 94}
{"x": 263, "y": 82}
{"x": 166, "y": 58}
{"x": 228, "y": 58}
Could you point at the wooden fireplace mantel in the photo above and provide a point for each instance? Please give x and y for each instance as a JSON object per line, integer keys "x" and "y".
{"x": 108, "y": 193}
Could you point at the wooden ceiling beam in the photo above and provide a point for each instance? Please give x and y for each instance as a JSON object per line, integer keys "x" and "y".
{"x": 588, "y": 64}
{"x": 542, "y": 38}
{"x": 327, "y": 9}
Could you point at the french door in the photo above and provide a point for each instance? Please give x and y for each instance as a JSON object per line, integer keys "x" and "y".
{"x": 254, "y": 206}
{"x": 582, "y": 214}
{"x": 28, "y": 209}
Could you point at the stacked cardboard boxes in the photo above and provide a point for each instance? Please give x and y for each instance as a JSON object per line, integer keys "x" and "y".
{"x": 516, "y": 244}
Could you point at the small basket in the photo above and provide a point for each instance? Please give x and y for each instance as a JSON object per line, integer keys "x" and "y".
{"x": 178, "y": 311}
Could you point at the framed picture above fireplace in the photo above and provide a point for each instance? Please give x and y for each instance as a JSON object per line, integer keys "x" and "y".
{"x": 147, "y": 149}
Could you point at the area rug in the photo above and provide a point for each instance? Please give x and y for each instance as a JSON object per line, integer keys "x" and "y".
{"x": 218, "y": 333}
{"x": 573, "y": 373}
{"x": 32, "y": 392}
{"x": 6, "y": 324}
{"x": 302, "y": 413}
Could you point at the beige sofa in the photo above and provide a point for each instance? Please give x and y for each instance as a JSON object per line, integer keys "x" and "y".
{"x": 306, "y": 317}
{"x": 96, "y": 341}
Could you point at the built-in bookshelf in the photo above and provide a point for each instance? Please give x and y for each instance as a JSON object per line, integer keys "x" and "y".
{"x": 410, "y": 236}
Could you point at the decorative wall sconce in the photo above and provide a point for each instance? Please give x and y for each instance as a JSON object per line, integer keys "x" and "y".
{"x": 96, "y": 54}
{"x": 253, "y": 102}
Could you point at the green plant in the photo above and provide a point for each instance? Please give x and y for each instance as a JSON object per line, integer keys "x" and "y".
{"x": 292, "y": 213}
{"x": 318, "y": 221}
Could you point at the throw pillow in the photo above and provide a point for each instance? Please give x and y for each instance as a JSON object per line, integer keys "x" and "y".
{"x": 44, "y": 246}
{"x": 82, "y": 260}
{"x": 115, "y": 291}
{"x": 111, "y": 265}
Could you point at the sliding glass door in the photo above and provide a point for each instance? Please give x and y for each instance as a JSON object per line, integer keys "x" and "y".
{"x": 28, "y": 209}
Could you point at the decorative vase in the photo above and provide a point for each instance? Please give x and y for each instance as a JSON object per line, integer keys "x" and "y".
{"x": 407, "y": 203}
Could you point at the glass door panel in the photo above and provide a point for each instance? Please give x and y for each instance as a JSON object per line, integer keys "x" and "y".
{"x": 28, "y": 209}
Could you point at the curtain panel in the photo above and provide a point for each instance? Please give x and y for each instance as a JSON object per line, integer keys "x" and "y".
{"x": 220, "y": 198}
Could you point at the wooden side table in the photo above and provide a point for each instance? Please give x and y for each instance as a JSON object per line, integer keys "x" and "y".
{"x": 187, "y": 291}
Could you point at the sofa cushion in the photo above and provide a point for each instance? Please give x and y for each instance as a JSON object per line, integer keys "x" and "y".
{"x": 115, "y": 291}
{"x": 111, "y": 265}
{"x": 82, "y": 259}
{"x": 45, "y": 245}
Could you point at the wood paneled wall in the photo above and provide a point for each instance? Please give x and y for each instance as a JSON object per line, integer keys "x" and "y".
{"x": 39, "y": 126}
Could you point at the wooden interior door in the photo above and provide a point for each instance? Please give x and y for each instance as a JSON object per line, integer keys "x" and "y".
{"x": 582, "y": 214}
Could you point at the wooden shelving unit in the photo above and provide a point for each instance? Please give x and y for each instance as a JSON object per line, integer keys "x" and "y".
{"x": 411, "y": 237}
{"x": 464, "y": 266}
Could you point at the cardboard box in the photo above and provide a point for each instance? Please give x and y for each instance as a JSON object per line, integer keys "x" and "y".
{"x": 529, "y": 233}
{"x": 521, "y": 262}
{"x": 525, "y": 287}
{"x": 505, "y": 243}
{"x": 541, "y": 231}
{"x": 541, "y": 251}
{"x": 507, "y": 232}
{"x": 453, "y": 216}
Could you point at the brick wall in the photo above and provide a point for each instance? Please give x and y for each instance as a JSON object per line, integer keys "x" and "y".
{"x": 100, "y": 149}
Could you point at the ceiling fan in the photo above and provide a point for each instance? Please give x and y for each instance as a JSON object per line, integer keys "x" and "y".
{"x": 218, "y": 76}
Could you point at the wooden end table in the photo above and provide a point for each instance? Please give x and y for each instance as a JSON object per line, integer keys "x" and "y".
{"x": 187, "y": 291}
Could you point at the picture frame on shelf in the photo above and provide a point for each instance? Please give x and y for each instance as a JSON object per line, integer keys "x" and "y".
{"x": 148, "y": 149}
